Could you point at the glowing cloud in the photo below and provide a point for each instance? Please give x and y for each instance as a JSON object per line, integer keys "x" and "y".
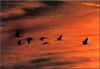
{"x": 91, "y": 4}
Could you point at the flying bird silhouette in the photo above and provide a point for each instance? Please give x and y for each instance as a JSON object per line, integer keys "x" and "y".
{"x": 85, "y": 41}
{"x": 29, "y": 39}
{"x": 19, "y": 42}
{"x": 59, "y": 38}
{"x": 42, "y": 38}
{"x": 17, "y": 33}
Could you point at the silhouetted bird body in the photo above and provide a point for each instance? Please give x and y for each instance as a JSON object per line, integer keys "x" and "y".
{"x": 29, "y": 39}
{"x": 85, "y": 41}
{"x": 59, "y": 38}
{"x": 19, "y": 42}
{"x": 17, "y": 34}
{"x": 42, "y": 38}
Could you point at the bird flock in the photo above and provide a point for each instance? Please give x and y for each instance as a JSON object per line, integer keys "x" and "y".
{"x": 43, "y": 38}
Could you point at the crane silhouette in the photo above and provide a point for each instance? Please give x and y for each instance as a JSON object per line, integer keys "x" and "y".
{"x": 29, "y": 39}
{"x": 19, "y": 42}
{"x": 42, "y": 38}
{"x": 17, "y": 33}
{"x": 85, "y": 41}
{"x": 59, "y": 38}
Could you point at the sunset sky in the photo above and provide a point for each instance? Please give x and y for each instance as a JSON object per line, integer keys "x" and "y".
{"x": 74, "y": 20}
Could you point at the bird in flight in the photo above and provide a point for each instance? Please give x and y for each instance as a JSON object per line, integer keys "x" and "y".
{"x": 19, "y": 42}
{"x": 85, "y": 41}
{"x": 42, "y": 38}
{"x": 29, "y": 39}
{"x": 17, "y": 33}
{"x": 59, "y": 38}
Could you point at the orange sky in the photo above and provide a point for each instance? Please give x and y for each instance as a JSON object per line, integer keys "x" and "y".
{"x": 75, "y": 20}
